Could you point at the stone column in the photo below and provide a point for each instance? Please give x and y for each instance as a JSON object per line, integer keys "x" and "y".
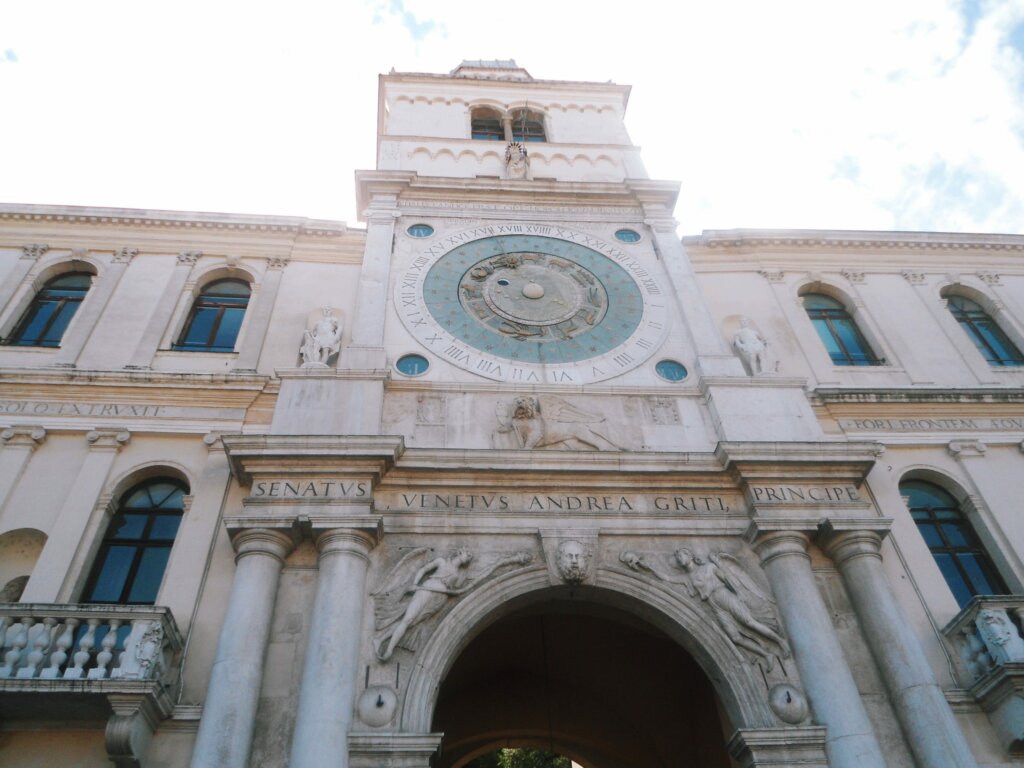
{"x": 928, "y": 723}
{"x": 142, "y": 357}
{"x": 55, "y": 572}
{"x": 84, "y": 321}
{"x": 229, "y": 713}
{"x": 330, "y": 675}
{"x": 259, "y": 318}
{"x": 19, "y": 443}
{"x": 831, "y": 690}
{"x": 12, "y": 280}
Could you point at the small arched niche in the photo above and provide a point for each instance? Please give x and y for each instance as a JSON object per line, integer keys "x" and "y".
{"x": 19, "y": 552}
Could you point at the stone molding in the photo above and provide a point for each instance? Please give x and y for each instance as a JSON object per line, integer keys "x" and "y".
{"x": 396, "y": 750}
{"x": 782, "y": 747}
{"x": 766, "y": 238}
{"x": 107, "y": 440}
{"x": 26, "y": 436}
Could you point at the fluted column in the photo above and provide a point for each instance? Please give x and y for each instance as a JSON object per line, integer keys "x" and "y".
{"x": 831, "y": 690}
{"x": 229, "y": 713}
{"x": 329, "y": 678}
{"x": 928, "y": 723}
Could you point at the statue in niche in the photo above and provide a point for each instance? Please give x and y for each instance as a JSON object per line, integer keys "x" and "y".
{"x": 417, "y": 589}
{"x": 573, "y": 560}
{"x": 751, "y": 347}
{"x": 745, "y": 613}
{"x": 322, "y": 341}
{"x": 549, "y": 422}
{"x": 517, "y": 161}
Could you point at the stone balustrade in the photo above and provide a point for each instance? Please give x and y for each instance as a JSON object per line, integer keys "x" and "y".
{"x": 88, "y": 642}
{"x": 988, "y": 639}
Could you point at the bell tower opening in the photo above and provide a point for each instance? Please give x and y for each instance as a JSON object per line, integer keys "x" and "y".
{"x": 585, "y": 681}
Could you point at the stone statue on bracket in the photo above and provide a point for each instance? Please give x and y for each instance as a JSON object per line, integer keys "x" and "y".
{"x": 744, "y": 612}
{"x": 751, "y": 347}
{"x": 549, "y": 422}
{"x": 418, "y": 587}
{"x": 517, "y": 161}
{"x": 322, "y": 341}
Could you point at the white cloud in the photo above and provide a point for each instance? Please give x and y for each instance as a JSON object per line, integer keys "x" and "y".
{"x": 789, "y": 114}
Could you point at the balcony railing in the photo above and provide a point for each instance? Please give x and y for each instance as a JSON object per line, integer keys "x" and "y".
{"x": 88, "y": 642}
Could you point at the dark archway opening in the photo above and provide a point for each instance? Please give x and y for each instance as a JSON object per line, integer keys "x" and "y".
{"x": 582, "y": 680}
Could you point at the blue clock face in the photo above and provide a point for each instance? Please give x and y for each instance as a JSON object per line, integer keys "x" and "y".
{"x": 532, "y": 308}
{"x": 533, "y": 299}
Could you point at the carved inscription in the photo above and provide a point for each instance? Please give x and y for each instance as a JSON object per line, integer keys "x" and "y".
{"x": 932, "y": 425}
{"x": 801, "y": 494}
{"x": 305, "y": 488}
{"x": 508, "y": 502}
{"x": 81, "y": 409}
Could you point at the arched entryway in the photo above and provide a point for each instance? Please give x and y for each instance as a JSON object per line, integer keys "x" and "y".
{"x": 584, "y": 679}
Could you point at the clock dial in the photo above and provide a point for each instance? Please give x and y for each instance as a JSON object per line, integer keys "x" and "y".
{"x": 534, "y": 308}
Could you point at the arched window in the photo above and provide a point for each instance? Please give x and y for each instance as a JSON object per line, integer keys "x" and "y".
{"x": 840, "y": 335}
{"x": 527, "y": 126}
{"x": 215, "y": 318}
{"x": 486, "y": 125}
{"x": 952, "y": 541}
{"x": 983, "y": 331}
{"x": 47, "y": 317}
{"x": 133, "y": 556}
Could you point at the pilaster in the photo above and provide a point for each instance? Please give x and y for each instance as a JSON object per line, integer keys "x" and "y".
{"x": 146, "y": 349}
{"x": 19, "y": 443}
{"x": 259, "y": 316}
{"x": 53, "y": 578}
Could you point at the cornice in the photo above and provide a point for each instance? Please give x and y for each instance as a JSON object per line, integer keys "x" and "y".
{"x": 38, "y": 377}
{"x": 852, "y": 239}
{"x": 120, "y": 217}
{"x": 917, "y": 395}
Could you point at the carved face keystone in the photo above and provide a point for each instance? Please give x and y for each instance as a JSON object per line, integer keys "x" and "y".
{"x": 573, "y": 561}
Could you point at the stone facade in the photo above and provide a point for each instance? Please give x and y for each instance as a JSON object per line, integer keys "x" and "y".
{"x": 510, "y": 464}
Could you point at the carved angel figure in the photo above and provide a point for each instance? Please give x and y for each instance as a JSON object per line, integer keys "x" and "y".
{"x": 751, "y": 347}
{"x": 549, "y": 422}
{"x": 744, "y": 612}
{"x": 322, "y": 341}
{"x": 405, "y": 602}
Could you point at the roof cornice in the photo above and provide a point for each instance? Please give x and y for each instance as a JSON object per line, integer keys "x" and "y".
{"x": 839, "y": 238}
{"x": 138, "y": 217}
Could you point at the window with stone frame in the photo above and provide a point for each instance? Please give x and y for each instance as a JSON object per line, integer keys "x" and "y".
{"x": 47, "y": 318}
{"x": 486, "y": 125}
{"x": 133, "y": 556}
{"x": 837, "y": 330}
{"x": 215, "y": 317}
{"x": 993, "y": 343}
{"x": 528, "y": 126}
{"x": 958, "y": 552}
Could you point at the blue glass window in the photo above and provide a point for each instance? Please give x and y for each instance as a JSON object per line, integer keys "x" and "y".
{"x": 527, "y": 126}
{"x": 838, "y": 332}
{"x": 959, "y": 554}
{"x": 627, "y": 236}
{"x": 670, "y": 370}
{"x": 983, "y": 331}
{"x": 485, "y": 125}
{"x": 420, "y": 230}
{"x": 133, "y": 557}
{"x": 412, "y": 365}
{"x": 50, "y": 312}
{"x": 216, "y": 317}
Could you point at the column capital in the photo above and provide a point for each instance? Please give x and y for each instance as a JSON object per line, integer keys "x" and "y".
{"x": 843, "y": 542}
{"x": 775, "y": 543}
{"x": 29, "y": 437}
{"x": 275, "y": 542}
{"x": 125, "y": 254}
{"x": 189, "y": 258}
{"x": 33, "y": 251}
{"x": 107, "y": 439}
{"x": 353, "y": 541}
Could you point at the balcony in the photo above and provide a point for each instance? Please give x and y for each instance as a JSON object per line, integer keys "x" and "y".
{"x": 91, "y": 663}
{"x": 987, "y": 636}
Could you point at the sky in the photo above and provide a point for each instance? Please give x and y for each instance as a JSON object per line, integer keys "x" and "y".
{"x": 902, "y": 114}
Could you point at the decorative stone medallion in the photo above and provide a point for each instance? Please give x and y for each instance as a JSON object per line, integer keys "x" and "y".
{"x": 552, "y": 306}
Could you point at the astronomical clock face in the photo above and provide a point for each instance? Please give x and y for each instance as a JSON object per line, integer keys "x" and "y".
{"x": 559, "y": 307}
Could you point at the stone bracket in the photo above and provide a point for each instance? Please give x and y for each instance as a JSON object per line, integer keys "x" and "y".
{"x": 130, "y": 729}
